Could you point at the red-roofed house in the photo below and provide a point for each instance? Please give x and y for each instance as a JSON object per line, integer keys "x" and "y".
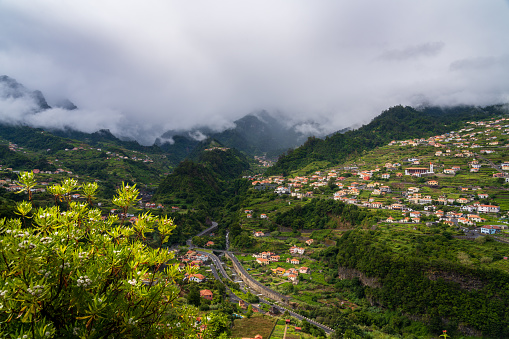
{"x": 207, "y": 294}
{"x": 304, "y": 270}
{"x": 197, "y": 277}
{"x": 293, "y": 277}
{"x": 262, "y": 261}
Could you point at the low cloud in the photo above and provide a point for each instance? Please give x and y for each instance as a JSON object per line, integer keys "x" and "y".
{"x": 430, "y": 49}
{"x": 310, "y": 129}
{"x": 197, "y": 135}
{"x": 481, "y": 63}
{"x": 25, "y": 111}
{"x": 142, "y": 70}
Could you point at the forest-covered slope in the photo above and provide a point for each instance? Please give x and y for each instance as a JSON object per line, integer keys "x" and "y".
{"x": 204, "y": 182}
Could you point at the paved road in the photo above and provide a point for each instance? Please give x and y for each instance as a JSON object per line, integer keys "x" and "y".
{"x": 327, "y": 330}
{"x": 491, "y": 164}
{"x": 218, "y": 264}
{"x": 189, "y": 242}
{"x": 254, "y": 281}
{"x": 232, "y": 296}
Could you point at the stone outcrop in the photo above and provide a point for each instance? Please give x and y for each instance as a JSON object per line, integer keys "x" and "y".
{"x": 351, "y": 273}
{"x": 468, "y": 283}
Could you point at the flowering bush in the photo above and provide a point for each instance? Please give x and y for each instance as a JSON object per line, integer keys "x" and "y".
{"x": 69, "y": 273}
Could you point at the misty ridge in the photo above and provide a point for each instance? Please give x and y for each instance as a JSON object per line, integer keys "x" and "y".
{"x": 255, "y": 133}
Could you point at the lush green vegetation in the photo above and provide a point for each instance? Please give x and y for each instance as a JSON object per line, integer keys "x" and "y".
{"x": 34, "y": 138}
{"x": 395, "y": 123}
{"x": 429, "y": 280}
{"x": 13, "y": 159}
{"x": 320, "y": 214}
{"x": 406, "y": 280}
{"x": 68, "y": 273}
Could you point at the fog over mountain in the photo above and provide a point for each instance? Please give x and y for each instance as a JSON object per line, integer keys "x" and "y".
{"x": 142, "y": 69}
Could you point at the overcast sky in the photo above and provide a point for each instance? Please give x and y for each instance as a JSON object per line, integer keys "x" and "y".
{"x": 160, "y": 64}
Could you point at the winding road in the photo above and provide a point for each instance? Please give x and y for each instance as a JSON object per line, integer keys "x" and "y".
{"x": 218, "y": 265}
{"x": 189, "y": 242}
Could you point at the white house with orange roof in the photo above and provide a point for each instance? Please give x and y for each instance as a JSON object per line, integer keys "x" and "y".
{"x": 293, "y": 261}
{"x": 293, "y": 278}
{"x": 297, "y": 250}
{"x": 304, "y": 270}
{"x": 197, "y": 277}
{"x": 475, "y": 218}
{"x": 263, "y": 261}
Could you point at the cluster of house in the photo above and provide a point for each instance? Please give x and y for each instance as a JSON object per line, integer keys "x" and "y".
{"x": 412, "y": 196}
{"x": 113, "y": 155}
{"x": 14, "y": 147}
{"x": 151, "y": 205}
{"x": 193, "y": 259}
{"x": 116, "y": 156}
{"x": 457, "y": 139}
{"x": 451, "y": 218}
{"x": 349, "y": 193}
{"x": 263, "y": 161}
{"x": 121, "y": 214}
{"x": 265, "y": 258}
{"x": 464, "y": 138}
{"x": 292, "y": 273}
{"x": 38, "y": 171}
{"x": 12, "y": 186}
{"x": 249, "y": 215}
{"x": 223, "y": 149}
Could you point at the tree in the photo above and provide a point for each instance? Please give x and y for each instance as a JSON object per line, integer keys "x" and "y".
{"x": 28, "y": 182}
{"x": 126, "y": 197}
{"x": 89, "y": 190}
{"x": 193, "y": 297}
{"x": 249, "y": 311}
{"x": 57, "y": 191}
{"x": 71, "y": 274}
{"x": 218, "y": 325}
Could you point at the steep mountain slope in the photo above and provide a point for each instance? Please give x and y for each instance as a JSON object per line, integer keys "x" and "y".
{"x": 10, "y": 88}
{"x": 254, "y": 134}
{"x": 34, "y": 138}
{"x": 260, "y": 133}
{"x": 204, "y": 181}
{"x": 180, "y": 148}
{"x": 395, "y": 123}
{"x": 102, "y": 137}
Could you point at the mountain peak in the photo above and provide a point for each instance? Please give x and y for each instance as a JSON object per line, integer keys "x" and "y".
{"x": 10, "y": 88}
